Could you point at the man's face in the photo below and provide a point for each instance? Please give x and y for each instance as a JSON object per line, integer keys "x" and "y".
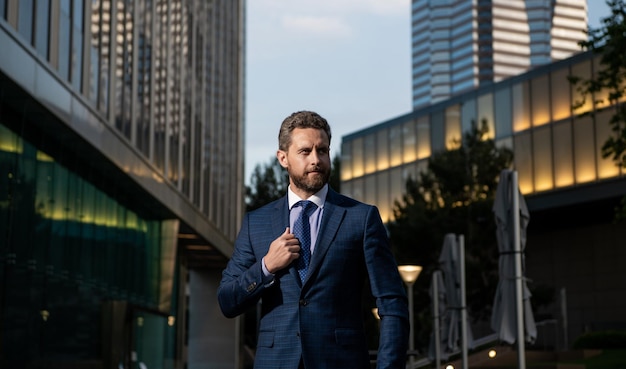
{"x": 307, "y": 161}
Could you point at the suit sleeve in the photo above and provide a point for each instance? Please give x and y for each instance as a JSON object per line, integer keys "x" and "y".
{"x": 242, "y": 280}
{"x": 389, "y": 292}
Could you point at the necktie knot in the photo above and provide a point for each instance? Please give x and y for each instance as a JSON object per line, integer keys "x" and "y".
{"x": 308, "y": 207}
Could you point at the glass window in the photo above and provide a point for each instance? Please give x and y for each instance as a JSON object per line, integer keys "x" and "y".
{"x": 77, "y": 45}
{"x": 42, "y": 31}
{"x": 397, "y": 183}
{"x": 542, "y": 154}
{"x": 606, "y": 166}
{"x": 346, "y": 188}
{"x": 64, "y": 48}
{"x": 358, "y": 189}
{"x": 563, "y": 156}
{"x": 453, "y": 127}
{"x": 468, "y": 115}
{"x": 25, "y": 20}
{"x": 561, "y": 100}
{"x": 581, "y": 102}
{"x": 523, "y": 162}
{"x": 369, "y": 194}
{"x": 584, "y": 155}
{"x": 521, "y": 107}
{"x": 379, "y": 149}
{"x": 503, "y": 111}
{"x": 395, "y": 145}
{"x": 383, "y": 198}
{"x": 540, "y": 99}
{"x": 357, "y": 157}
{"x": 437, "y": 131}
{"x": 3, "y": 7}
{"x": 423, "y": 137}
{"x": 369, "y": 153}
{"x": 485, "y": 113}
{"x": 601, "y": 98}
{"x": 409, "y": 136}
{"x": 346, "y": 160}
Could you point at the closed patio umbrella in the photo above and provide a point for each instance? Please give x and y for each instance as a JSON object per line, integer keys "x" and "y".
{"x": 512, "y": 299}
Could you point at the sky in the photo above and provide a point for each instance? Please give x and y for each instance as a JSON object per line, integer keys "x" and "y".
{"x": 348, "y": 60}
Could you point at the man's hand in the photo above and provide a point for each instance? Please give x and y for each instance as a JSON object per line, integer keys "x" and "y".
{"x": 282, "y": 252}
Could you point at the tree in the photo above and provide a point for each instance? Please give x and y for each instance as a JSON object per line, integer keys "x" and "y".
{"x": 609, "y": 42}
{"x": 268, "y": 183}
{"x": 454, "y": 195}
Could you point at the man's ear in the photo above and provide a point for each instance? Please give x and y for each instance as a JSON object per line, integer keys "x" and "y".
{"x": 282, "y": 158}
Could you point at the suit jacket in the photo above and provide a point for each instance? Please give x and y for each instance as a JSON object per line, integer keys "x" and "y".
{"x": 320, "y": 319}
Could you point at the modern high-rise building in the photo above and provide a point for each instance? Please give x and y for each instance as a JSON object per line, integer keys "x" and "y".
{"x": 121, "y": 181}
{"x": 458, "y": 45}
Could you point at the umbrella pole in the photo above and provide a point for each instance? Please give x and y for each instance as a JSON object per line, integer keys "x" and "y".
{"x": 521, "y": 360}
{"x": 436, "y": 319}
{"x": 461, "y": 241}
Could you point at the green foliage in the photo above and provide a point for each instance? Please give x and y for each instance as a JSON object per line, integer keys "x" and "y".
{"x": 611, "y": 339}
{"x": 454, "y": 195}
{"x": 268, "y": 183}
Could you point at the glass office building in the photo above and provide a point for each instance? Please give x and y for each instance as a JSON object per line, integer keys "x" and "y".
{"x": 569, "y": 187}
{"x": 458, "y": 45}
{"x": 121, "y": 181}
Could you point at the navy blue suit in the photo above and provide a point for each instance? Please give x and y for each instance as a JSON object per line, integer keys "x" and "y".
{"x": 319, "y": 320}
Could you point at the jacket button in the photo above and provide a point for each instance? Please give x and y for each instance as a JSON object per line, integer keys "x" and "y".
{"x": 303, "y": 302}
{"x": 251, "y": 287}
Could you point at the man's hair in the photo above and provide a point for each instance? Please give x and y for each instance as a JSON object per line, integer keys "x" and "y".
{"x": 300, "y": 119}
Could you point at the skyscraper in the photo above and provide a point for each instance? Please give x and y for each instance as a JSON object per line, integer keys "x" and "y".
{"x": 458, "y": 45}
{"x": 121, "y": 181}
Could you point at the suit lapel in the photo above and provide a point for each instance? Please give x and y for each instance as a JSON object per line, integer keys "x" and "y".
{"x": 331, "y": 220}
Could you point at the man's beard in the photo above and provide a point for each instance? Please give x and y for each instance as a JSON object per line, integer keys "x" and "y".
{"x": 310, "y": 184}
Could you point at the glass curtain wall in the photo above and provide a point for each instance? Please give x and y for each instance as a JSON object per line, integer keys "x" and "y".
{"x": 66, "y": 247}
{"x": 554, "y": 146}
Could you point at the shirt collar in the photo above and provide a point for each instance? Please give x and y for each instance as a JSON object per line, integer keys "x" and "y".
{"x": 318, "y": 198}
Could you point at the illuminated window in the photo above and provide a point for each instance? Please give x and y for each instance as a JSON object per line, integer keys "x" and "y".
{"x": 563, "y": 159}
{"x": 542, "y": 154}
{"x": 409, "y": 140}
{"x": 369, "y": 153}
{"x": 606, "y": 166}
{"x": 395, "y": 145}
{"x": 383, "y": 195}
{"x": 584, "y": 155}
{"x": 561, "y": 100}
{"x": 423, "y": 138}
{"x": 453, "y": 127}
{"x": 521, "y": 107}
{"x": 346, "y": 161}
{"x": 540, "y": 97}
{"x": 357, "y": 157}
{"x": 523, "y": 162}
{"x": 378, "y": 154}
{"x": 583, "y": 71}
{"x": 485, "y": 113}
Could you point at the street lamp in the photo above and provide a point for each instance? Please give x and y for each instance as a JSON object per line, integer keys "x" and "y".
{"x": 409, "y": 274}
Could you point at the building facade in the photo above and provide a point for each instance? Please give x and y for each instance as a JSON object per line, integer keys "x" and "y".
{"x": 458, "y": 45}
{"x": 121, "y": 181}
{"x": 570, "y": 189}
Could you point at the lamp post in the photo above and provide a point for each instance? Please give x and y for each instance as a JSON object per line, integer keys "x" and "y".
{"x": 409, "y": 274}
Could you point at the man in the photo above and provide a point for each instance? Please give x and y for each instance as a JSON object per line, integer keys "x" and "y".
{"x": 311, "y": 296}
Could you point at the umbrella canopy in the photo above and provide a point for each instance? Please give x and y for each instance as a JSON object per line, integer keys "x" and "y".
{"x": 504, "y": 316}
{"x": 449, "y": 264}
